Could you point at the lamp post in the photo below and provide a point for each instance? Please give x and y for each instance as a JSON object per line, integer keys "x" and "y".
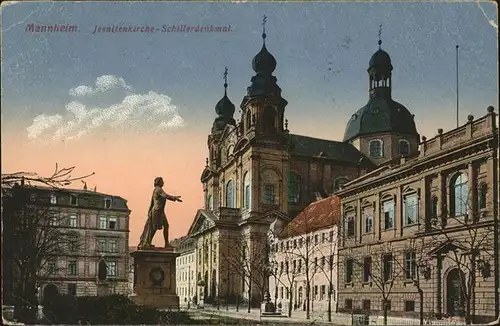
{"x": 201, "y": 298}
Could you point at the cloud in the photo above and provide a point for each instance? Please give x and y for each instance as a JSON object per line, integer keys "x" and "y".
{"x": 103, "y": 84}
{"x": 149, "y": 111}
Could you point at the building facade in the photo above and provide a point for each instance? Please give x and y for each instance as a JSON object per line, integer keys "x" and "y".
{"x": 95, "y": 259}
{"x": 418, "y": 232}
{"x": 185, "y": 269}
{"x": 305, "y": 255}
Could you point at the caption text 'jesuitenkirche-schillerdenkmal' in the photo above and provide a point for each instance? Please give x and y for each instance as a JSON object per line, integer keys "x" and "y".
{"x": 114, "y": 29}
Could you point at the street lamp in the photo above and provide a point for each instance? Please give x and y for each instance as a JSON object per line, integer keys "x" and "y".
{"x": 201, "y": 299}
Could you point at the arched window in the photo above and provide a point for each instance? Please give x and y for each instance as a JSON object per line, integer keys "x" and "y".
{"x": 294, "y": 188}
{"x": 483, "y": 192}
{"x": 404, "y": 147}
{"x": 434, "y": 207}
{"x": 249, "y": 119}
{"x": 339, "y": 182}
{"x": 459, "y": 194}
{"x": 209, "y": 203}
{"x": 246, "y": 190}
{"x": 376, "y": 148}
{"x": 229, "y": 194}
{"x": 269, "y": 119}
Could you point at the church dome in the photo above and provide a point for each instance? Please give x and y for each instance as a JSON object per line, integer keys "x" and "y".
{"x": 225, "y": 107}
{"x": 380, "y": 115}
{"x": 380, "y": 59}
{"x": 264, "y": 62}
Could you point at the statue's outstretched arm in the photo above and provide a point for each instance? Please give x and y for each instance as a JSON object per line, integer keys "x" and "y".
{"x": 170, "y": 197}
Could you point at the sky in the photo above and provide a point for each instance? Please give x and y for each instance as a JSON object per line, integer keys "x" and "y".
{"x": 131, "y": 106}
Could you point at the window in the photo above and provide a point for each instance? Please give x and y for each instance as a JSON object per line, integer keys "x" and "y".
{"x": 73, "y": 221}
{"x": 107, "y": 203}
{"x": 367, "y": 269}
{"x": 72, "y": 289}
{"x": 349, "y": 264}
{"x": 112, "y": 268}
{"x": 246, "y": 190}
{"x": 72, "y": 244}
{"x": 376, "y": 148}
{"x": 101, "y": 245}
{"x": 459, "y": 194}
{"x": 323, "y": 237}
{"x": 330, "y": 261}
{"x": 112, "y": 223}
{"x": 366, "y": 305}
{"x": 269, "y": 194}
{"x": 281, "y": 292}
{"x": 331, "y": 236}
{"x": 404, "y": 147}
{"x": 322, "y": 294}
{"x": 348, "y": 303}
{"x": 53, "y": 199}
{"x": 368, "y": 214}
{"x": 295, "y": 244}
{"x": 112, "y": 245}
{"x": 410, "y": 209}
{"x": 434, "y": 207}
{"x": 294, "y": 183}
{"x": 269, "y": 120}
{"x": 316, "y": 239}
{"x": 54, "y": 219}
{"x": 294, "y": 265}
{"x": 315, "y": 263}
{"x": 282, "y": 267}
{"x": 323, "y": 259}
{"x": 287, "y": 267}
{"x": 410, "y": 305}
{"x": 73, "y": 200}
{"x": 387, "y": 267}
{"x": 229, "y": 194}
{"x": 209, "y": 203}
{"x": 72, "y": 267}
{"x": 350, "y": 224}
{"x": 388, "y": 214}
{"x": 410, "y": 265}
{"x": 300, "y": 243}
{"x": 300, "y": 266}
{"x": 339, "y": 182}
{"x": 103, "y": 221}
{"x": 483, "y": 192}
{"x": 51, "y": 267}
{"x": 315, "y": 292}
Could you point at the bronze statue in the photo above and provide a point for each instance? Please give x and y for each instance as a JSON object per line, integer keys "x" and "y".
{"x": 157, "y": 219}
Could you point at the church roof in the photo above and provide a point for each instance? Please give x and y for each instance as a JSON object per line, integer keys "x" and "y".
{"x": 380, "y": 115}
{"x": 318, "y": 215}
{"x": 329, "y": 149}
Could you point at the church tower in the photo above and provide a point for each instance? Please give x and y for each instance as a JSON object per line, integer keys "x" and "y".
{"x": 383, "y": 129}
{"x": 265, "y": 138}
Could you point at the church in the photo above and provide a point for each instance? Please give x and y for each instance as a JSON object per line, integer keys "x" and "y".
{"x": 259, "y": 175}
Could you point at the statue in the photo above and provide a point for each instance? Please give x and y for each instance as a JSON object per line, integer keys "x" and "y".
{"x": 157, "y": 219}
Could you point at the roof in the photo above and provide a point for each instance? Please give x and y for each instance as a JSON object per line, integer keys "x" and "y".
{"x": 328, "y": 149}
{"x": 380, "y": 115}
{"x": 86, "y": 198}
{"x": 317, "y": 215}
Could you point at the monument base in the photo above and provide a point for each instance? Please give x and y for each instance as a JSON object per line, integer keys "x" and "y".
{"x": 154, "y": 278}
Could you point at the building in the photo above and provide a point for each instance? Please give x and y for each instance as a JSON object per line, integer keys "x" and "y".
{"x": 95, "y": 259}
{"x": 424, "y": 219}
{"x": 258, "y": 172}
{"x": 185, "y": 269}
{"x": 305, "y": 253}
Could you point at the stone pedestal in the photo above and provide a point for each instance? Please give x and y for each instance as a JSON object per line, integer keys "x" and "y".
{"x": 154, "y": 278}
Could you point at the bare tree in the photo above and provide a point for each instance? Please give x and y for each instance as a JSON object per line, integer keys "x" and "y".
{"x": 248, "y": 260}
{"x": 34, "y": 235}
{"x": 465, "y": 236}
{"x": 377, "y": 269}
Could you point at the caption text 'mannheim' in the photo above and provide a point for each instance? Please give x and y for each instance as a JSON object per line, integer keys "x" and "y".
{"x": 179, "y": 28}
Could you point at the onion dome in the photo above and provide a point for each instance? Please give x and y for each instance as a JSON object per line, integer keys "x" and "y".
{"x": 380, "y": 65}
{"x": 225, "y": 107}
{"x": 264, "y": 61}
